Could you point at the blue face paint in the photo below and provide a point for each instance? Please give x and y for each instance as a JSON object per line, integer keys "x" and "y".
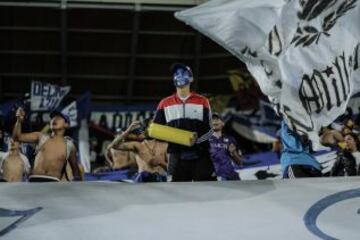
{"x": 182, "y": 75}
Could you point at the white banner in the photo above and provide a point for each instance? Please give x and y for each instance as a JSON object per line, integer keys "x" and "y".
{"x": 47, "y": 97}
{"x": 304, "y": 54}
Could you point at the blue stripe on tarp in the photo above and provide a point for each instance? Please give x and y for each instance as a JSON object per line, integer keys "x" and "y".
{"x": 118, "y": 175}
{"x": 23, "y": 214}
{"x": 267, "y": 159}
{"x": 312, "y": 215}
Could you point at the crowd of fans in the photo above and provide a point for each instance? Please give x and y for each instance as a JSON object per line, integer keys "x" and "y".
{"x": 133, "y": 156}
{"x": 138, "y": 159}
{"x": 344, "y": 138}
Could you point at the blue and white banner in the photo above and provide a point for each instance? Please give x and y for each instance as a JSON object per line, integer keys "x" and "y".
{"x": 47, "y": 97}
{"x": 305, "y": 55}
{"x": 260, "y": 126}
{"x": 266, "y": 165}
{"x": 72, "y": 112}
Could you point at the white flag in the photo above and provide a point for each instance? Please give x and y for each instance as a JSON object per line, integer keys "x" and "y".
{"x": 72, "y": 112}
{"x": 304, "y": 54}
{"x": 47, "y": 97}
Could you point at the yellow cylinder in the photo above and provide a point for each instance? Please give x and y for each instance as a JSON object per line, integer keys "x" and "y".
{"x": 171, "y": 134}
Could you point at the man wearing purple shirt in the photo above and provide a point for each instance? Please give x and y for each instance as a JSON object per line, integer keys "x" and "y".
{"x": 223, "y": 151}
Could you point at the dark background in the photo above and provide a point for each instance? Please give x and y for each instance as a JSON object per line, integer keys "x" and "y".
{"x": 120, "y": 55}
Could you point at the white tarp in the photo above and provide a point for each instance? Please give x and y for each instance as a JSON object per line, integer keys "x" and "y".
{"x": 287, "y": 209}
{"x": 304, "y": 54}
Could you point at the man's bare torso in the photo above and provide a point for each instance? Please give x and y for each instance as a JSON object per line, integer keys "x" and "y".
{"x": 51, "y": 158}
{"x": 151, "y": 156}
{"x": 122, "y": 159}
{"x": 13, "y": 168}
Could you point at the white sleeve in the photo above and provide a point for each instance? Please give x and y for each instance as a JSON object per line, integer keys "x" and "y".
{"x": 2, "y": 155}
{"x": 27, "y": 166}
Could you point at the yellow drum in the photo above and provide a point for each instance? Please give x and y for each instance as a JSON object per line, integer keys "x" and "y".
{"x": 171, "y": 134}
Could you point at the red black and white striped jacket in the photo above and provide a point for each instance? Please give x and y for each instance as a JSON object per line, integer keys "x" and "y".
{"x": 194, "y": 114}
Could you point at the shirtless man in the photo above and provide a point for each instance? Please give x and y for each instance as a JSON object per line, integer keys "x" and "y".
{"x": 52, "y": 151}
{"x": 120, "y": 159}
{"x": 14, "y": 166}
{"x": 150, "y": 155}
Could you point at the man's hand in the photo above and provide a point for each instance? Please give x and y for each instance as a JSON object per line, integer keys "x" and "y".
{"x": 193, "y": 140}
{"x": 232, "y": 149}
{"x": 20, "y": 115}
{"x": 133, "y": 126}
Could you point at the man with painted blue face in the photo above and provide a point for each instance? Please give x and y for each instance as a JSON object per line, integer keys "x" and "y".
{"x": 189, "y": 111}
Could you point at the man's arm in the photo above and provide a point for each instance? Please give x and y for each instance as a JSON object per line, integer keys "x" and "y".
{"x": 33, "y": 137}
{"x": 207, "y": 119}
{"x": 159, "y": 117}
{"x": 75, "y": 167}
{"x": 118, "y": 143}
{"x": 127, "y": 146}
{"x": 108, "y": 157}
{"x": 234, "y": 154}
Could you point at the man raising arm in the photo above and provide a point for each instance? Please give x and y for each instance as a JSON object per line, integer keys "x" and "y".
{"x": 52, "y": 151}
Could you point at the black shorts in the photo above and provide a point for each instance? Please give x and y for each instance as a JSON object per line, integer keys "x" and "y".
{"x": 38, "y": 178}
{"x": 302, "y": 171}
{"x": 198, "y": 169}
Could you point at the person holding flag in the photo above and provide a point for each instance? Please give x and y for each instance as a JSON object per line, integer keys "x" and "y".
{"x": 224, "y": 151}
{"x": 53, "y": 151}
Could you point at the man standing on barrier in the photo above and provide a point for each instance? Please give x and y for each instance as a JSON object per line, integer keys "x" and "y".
{"x": 223, "y": 151}
{"x": 53, "y": 151}
{"x": 188, "y": 111}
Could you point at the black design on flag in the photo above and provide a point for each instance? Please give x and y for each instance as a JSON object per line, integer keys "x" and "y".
{"x": 356, "y": 57}
{"x": 296, "y": 124}
{"x": 326, "y": 88}
{"x": 247, "y": 52}
{"x": 307, "y": 35}
{"x": 275, "y": 45}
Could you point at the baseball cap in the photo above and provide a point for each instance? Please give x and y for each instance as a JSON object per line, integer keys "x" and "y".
{"x": 59, "y": 113}
{"x": 218, "y": 116}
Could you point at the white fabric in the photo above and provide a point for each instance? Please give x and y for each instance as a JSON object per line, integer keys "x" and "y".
{"x": 84, "y": 146}
{"x": 192, "y": 111}
{"x": 357, "y": 159}
{"x": 304, "y": 54}
{"x": 174, "y": 112}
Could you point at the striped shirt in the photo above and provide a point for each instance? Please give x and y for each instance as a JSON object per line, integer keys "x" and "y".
{"x": 192, "y": 114}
